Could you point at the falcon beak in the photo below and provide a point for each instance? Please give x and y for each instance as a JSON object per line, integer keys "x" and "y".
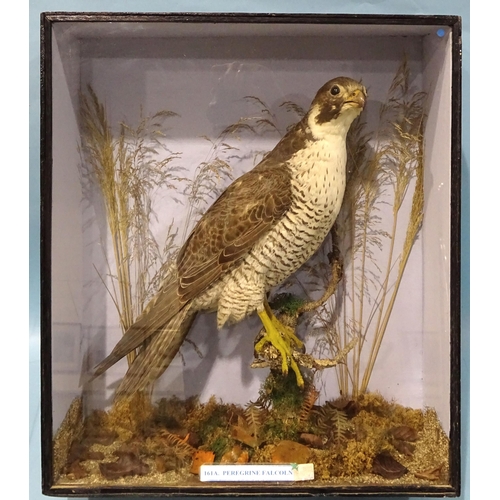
{"x": 357, "y": 97}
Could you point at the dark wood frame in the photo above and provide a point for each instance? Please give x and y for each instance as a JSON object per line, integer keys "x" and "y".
{"x": 453, "y": 22}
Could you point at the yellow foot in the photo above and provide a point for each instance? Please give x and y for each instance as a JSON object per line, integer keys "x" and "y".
{"x": 289, "y": 332}
{"x": 283, "y": 338}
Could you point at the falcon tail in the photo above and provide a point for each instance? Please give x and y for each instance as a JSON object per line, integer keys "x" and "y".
{"x": 164, "y": 307}
{"x": 154, "y": 359}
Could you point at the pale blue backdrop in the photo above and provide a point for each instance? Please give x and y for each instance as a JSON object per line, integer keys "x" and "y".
{"x": 455, "y": 7}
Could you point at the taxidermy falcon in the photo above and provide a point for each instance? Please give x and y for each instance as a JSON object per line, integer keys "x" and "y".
{"x": 262, "y": 228}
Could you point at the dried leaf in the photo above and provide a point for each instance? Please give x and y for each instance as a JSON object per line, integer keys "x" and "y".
{"x": 77, "y": 452}
{"x": 312, "y": 440}
{"x": 432, "y": 474}
{"x": 129, "y": 464}
{"x": 388, "y": 467}
{"x": 247, "y": 428}
{"x": 287, "y": 452}
{"x": 80, "y": 452}
{"x": 130, "y": 448}
{"x": 165, "y": 464}
{"x": 193, "y": 439}
{"x": 243, "y": 436}
{"x": 94, "y": 455}
{"x": 76, "y": 471}
{"x": 232, "y": 455}
{"x": 235, "y": 456}
{"x": 201, "y": 457}
{"x": 404, "y": 433}
{"x": 404, "y": 447}
{"x": 351, "y": 409}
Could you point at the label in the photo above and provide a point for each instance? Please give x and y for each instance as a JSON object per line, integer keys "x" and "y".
{"x": 257, "y": 472}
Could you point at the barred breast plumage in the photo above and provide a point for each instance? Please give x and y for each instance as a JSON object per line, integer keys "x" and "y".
{"x": 317, "y": 188}
{"x": 260, "y": 230}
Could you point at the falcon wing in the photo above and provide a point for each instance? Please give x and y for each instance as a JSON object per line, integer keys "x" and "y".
{"x": 240, "y": 217}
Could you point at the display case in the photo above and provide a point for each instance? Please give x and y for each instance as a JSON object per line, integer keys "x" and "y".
{"x": 147, "y": 120}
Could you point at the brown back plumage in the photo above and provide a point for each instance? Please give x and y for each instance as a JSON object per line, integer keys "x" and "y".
{"x": 242, "y": 215}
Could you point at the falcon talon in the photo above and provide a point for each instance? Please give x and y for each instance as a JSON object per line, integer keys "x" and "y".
{"x": 269, "y": 356}
{"x": 259, "y": 231}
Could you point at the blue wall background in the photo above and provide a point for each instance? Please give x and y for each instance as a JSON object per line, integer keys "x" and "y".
{"x": 455, "y": 7}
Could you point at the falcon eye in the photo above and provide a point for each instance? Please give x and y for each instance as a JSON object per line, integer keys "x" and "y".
{"x": 335, "y": 90}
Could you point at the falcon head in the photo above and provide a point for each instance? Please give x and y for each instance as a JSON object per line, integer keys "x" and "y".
{"x": 337, "y": 103}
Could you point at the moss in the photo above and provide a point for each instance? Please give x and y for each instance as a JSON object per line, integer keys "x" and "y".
{"x": 279, "y": 427}
{"x": 219, "y": 445}
{"x": 327, "y": 464}
{"x": 282, "y": 392}
{"x": 373, "y": 402}
{"x": 285, "y": 399}
{"x": 206, "y": 419}
{"x": 287, "y": 303}
{"x": 408, "y": 416}
{"x": 130, "y": 416}
{"x": 357, "y": 457}
{"x": 171, "y": 413}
